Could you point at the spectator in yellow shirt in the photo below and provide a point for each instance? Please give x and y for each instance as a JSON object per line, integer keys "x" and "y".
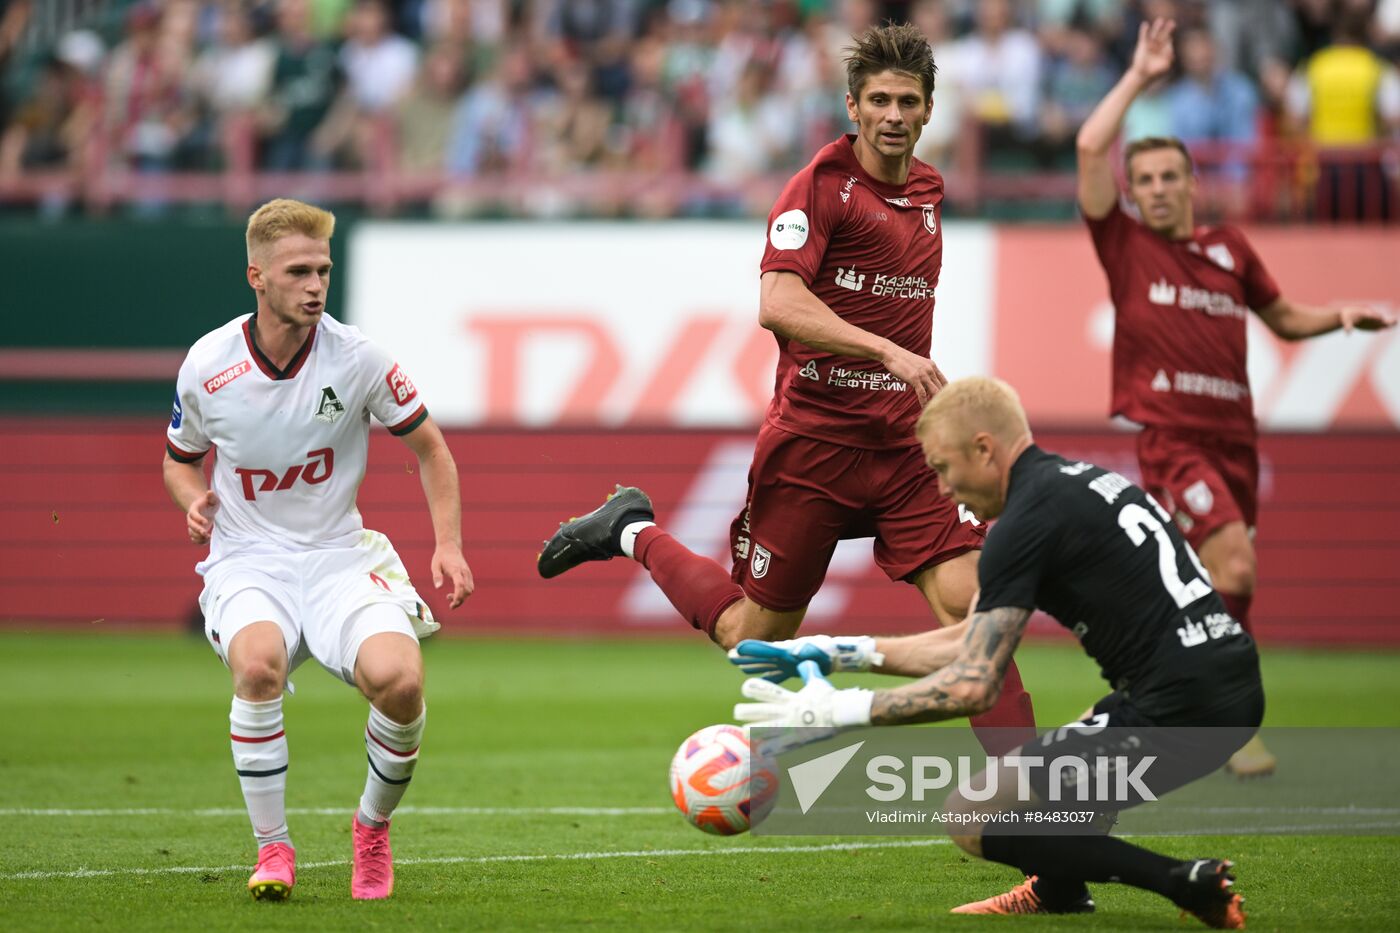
{"x": 1347, "y": 97}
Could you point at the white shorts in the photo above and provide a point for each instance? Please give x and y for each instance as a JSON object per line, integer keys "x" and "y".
{"x": 315, "y": 597}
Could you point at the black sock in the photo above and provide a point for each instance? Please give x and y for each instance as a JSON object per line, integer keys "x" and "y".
{"x": 1087, "y": 858}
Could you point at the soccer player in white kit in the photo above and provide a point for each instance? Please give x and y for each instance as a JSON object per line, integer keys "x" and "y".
{"x": 285, "y": 394}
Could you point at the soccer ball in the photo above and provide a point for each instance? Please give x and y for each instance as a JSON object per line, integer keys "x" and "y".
{"x": 719, "y": 784}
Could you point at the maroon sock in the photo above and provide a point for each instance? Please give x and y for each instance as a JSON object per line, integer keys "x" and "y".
{"x": 1011, "y": 722}
{"x": 699, "y": 588}
{"x": 1238, "y": 606}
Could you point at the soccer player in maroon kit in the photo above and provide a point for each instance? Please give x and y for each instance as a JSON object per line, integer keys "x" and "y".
{"x": 854, "y": 251}
{"x": 1181, "y": 294}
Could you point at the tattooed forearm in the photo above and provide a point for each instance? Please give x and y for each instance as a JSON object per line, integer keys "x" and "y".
{"x": 965, "y": 687}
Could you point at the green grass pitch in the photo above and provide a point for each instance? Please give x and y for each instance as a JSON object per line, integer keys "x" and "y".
{"x": 97, "y": 728}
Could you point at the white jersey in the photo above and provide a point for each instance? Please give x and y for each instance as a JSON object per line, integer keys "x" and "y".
{"x": 292, "y": 444}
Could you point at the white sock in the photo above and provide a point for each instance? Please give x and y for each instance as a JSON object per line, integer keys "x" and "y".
{"x": 260, "y": 757}
{"x": 393, "y": 754}
{"x": 629, "y": 536}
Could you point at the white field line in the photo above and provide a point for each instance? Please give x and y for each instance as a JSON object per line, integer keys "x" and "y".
{"x": 485, "y": 859}
{"x": 345, "y": 811}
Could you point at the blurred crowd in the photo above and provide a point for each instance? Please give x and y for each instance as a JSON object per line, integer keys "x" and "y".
{"x": 724, "y": 90}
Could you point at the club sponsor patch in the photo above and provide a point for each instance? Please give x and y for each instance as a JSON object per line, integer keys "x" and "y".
{"x": 400, "y": 386}
{"x": 761, "y": 561}
{"x": 330, "y": 408}
{"x": 177, "y": 414}
{"x": 847, "y": 278}
{"x": 789, "y": 230}
{"x": 1219, "y": 253}
{"x": 224, "y": 378}
{"x": 1198, "y": 497}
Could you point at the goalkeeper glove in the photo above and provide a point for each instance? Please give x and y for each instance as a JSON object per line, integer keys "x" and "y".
{"x": 778, "y": 660}
{"x": 817, "y": 705}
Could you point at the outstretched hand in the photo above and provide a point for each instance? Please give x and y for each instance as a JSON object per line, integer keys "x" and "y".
{"x": 1153, "y": 56}
{"x": 1361, "y": 317}
{"x": 776, "y": 661}
{"x": 817, "y": 705}
{"x": 779, "y": 660}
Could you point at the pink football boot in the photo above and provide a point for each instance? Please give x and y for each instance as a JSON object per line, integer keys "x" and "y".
{"x": 275, "y": 874}
{"x": 373, "y": 876}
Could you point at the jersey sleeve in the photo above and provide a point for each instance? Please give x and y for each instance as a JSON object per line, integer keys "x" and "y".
{"x": 1110, "y": 235}
{"x": 1260, "y": 289}
{"x": 393, "y": 397}
{"x": 800, "y": 226}
{"x": 185, "y": 439}
{"x": 1015, "y": 558}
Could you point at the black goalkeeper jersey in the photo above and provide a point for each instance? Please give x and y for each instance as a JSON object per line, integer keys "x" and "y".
{"x": 1101, "y": 556}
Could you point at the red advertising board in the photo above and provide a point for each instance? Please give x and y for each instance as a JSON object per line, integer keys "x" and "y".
{"x": 89, "y": 536}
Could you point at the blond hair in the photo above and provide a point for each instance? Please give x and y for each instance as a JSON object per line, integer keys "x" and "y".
{"x": 973, "y": 405}
{"x": 285, "y": 217}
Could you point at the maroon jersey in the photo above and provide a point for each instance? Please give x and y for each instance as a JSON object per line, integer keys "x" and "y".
{"x": 1179, "y": 337}
{"x": 872, "y": 252}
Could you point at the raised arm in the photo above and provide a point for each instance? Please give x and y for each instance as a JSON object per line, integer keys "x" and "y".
{"x": 906, "y": 656}
{"x": 1293, "y": 321}
{"x": 788, "y": 308}
{"x": 439, "y": 476}
{"x": 969, "y": 685}
{"x": 1098, "y": 190}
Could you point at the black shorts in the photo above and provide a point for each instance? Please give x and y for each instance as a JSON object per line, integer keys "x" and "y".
{"x": 1120, "y": 756}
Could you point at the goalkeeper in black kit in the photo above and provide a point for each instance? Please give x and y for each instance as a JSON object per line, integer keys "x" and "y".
{"x": 1102, "y": 557}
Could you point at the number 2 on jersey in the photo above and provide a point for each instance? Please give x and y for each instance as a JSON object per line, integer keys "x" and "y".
{"x": 1133, "y": 519}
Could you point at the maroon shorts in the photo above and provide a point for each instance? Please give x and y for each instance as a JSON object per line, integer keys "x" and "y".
{"x": 1202, "y": 480}
{"x": 805, "y": 495}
